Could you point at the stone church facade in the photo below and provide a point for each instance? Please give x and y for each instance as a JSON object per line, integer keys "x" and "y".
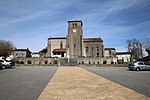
{"x": 74, "y": 45}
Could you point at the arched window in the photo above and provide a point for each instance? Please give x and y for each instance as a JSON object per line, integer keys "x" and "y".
{"x": 75, "y": 25}
{"x": 97, "y": 51}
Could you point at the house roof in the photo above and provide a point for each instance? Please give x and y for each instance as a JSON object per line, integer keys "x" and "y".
{"x": 85, "y": 40}
{"x": 60, "y": 50}
{"x": 110, "y": 49}
{"x": 21, "y": 49}
{"x": 122, "y": 53}
{"x": 44, "y": 50}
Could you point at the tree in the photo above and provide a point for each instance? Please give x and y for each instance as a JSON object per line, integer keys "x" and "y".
{"x": 6, "y": 48}
{"x": 135, "y": 48}
{"x": 146, "y": 45}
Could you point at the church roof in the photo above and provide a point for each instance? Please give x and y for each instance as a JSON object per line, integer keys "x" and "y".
{"x": 57, "y": 38}
{"x": 59, "y": 50}
{"x": 85, "y": 40}
{"x": 76, "y": 21}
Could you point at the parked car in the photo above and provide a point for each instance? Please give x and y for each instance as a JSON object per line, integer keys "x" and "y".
{"x": 139, "y": 65}
{"x": 1, "y": 66}
{"x": 6, "y": 64}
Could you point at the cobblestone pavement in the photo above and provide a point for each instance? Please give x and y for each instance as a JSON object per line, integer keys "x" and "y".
{"x": 75, "y": 83}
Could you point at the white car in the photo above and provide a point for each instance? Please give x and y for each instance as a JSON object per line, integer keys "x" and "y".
{"x": 139, "y": 65}
{"x": 5, "y": 64}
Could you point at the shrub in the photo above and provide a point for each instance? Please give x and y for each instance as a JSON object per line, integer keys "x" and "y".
{"x": 82, "y": 62}
{"x": 104, "y": 62}
{"x": 46, "y": 62}
{"x": 55, "y": 61}
{"x": 21, "y": 62}
{"x": 112, "y": 62}
{"x": 89, "y": 62}
{"x": 29, "y": 62}
{"x": 17, "y": 62}
{"x": 93, "y": 62}
{"x": 98, "y": 62}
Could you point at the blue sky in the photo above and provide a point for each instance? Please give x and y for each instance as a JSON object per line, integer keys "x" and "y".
{"x": 28, "y": 23}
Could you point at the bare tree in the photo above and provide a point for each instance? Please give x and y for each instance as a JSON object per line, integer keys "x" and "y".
{"x": 6, "y": 48}
{"x": 135, "y": 48}
{"x": 146, "y": 45}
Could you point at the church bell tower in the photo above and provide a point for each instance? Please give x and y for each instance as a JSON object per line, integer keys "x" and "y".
{"x": 74, "y": 39}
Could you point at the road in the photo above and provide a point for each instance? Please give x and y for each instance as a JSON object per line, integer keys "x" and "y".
{"x": 24, "y": 83}
{"x": 138, "y": 81}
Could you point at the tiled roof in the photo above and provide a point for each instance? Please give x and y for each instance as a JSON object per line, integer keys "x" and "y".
{"x": 59, "y": 50}
{"x": 110, "y": 49}
{"x": 122, "y": 53}
{"x": 85, "y": 40}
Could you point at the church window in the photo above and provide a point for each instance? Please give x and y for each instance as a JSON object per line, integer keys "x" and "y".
{"x": 92, "y": 51}
{"x": 74, "y": 45}
{"x": 75, "y": 25}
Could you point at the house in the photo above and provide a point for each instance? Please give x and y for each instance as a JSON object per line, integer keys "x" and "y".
{"x": 21, "y": 53}
{"x": 123, "y": 57}
{"x": 109, "y": 52}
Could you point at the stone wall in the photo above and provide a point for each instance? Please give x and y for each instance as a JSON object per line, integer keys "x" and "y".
{"x": 97, "y": 60}
{"x": 37, "y": 61}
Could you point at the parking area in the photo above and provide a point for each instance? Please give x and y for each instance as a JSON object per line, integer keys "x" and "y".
{"x": 24, "y": 83}
{"x": 135, "y": 80}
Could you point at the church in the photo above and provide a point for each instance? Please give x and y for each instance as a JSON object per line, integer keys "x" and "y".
{"x": 74, "y": 45}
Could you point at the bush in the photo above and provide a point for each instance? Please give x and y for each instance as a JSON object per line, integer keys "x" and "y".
{"x": 46, "y": 62}
{"x": 104, "y": 62}
{"x": 17, "y": 62}
{"x": 93, "y": 62}
{"x": 89, "y": 62}
{"x": 55, "y": 61}
{"x": 21, "y": 62}
{"x": 98, "y": 62}
{"x": 82, "y": 62}
{"x": 29, "y": 62}
{"x": 112, "y": 62}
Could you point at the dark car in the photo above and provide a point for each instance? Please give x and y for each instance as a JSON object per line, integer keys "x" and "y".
{"x": 139, "y": 65}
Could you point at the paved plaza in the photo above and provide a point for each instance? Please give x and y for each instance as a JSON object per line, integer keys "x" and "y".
{"x": 71, "y": 83}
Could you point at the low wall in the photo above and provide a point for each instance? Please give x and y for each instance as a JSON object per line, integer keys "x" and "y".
{"x": 42, "y": 61}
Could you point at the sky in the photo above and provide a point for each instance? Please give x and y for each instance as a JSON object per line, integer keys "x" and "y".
{"x": 29, "y": 23}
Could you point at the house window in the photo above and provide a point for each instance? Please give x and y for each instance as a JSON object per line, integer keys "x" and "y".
{"x": 86, "y": 49}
